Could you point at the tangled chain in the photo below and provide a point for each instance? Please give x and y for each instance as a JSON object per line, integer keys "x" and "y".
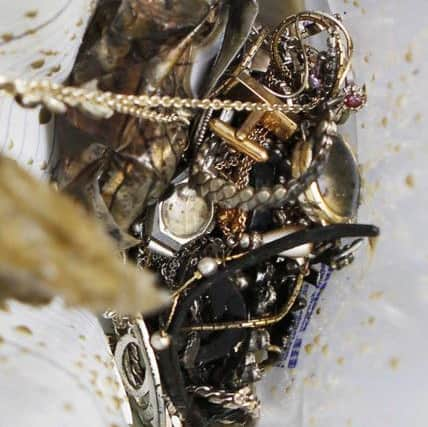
{"x": 243, "y": 399}
{"x": 227, "y": 194}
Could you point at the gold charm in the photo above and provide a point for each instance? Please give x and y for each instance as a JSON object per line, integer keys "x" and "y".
{"x": 276, "y": 121}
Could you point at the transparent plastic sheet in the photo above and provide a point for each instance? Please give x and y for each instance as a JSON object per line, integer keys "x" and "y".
{"x": 361, "y": 361}
{"x": 56, "y": 370}
{"x": 38, "y": 39}
{"x": 363, "y": 357}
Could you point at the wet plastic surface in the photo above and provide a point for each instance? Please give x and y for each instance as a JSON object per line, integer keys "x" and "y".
{"x": 363, "y": 357}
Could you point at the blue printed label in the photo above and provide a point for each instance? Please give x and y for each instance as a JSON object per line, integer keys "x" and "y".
{"x": 312, "y": 294}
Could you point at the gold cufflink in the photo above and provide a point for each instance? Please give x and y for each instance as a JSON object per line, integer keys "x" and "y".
{"x": 239, "y": 143}
{"x": 276, "y": 122}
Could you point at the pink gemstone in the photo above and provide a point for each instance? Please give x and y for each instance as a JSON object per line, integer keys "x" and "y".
{"x": 353, "y": 101}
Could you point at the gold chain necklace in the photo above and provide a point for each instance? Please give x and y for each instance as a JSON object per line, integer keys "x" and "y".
{"x": 102, "y": 105}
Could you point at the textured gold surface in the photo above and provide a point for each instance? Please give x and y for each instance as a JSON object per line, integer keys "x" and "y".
{"x": 243, "y": 144}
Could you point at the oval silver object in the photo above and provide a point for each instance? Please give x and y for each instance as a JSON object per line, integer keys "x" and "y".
{"x": 207, "y": 266}
{"x": 185, "y": 214}
{"x": 333, "y": 197}
{"x": 147, "y": 399}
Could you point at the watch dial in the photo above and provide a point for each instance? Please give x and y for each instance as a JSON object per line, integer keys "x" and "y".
{"x": 185, "y": 213}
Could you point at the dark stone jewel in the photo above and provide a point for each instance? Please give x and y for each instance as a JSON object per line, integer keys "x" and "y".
{"x": 263, "y": 174}
{"x": 314, "y": 81}
{"x": 353, "y": 100}
{"x": 261, "y": 220}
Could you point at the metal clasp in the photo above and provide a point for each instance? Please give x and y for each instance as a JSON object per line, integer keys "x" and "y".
{"x": 275, "y": 121}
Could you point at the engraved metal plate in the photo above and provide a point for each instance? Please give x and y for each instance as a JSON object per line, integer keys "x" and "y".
{"x": 138, "y": 369}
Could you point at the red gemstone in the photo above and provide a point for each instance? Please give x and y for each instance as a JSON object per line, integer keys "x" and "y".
{"x": 353, "y": 100}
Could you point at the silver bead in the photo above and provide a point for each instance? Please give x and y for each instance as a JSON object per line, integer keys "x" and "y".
{"x": 282, "y": 180}
{"x": 232, "y": 202}
{"x": 207, "y": 266}
{"x": 160, "y": 341}
{"x": 137, "y": 229}
{"x": 256, "y": 240}
{"x": 279, "y": 192}
{"x": 229, "y": 191}
{"x": 278, "y": 152}
{"x": 241, "y": 281}
{"x": 245, "y": 241}
{"x": 246, "y": 194}
{"x": 249, "y": 204}
{"x": 263, "y": 195}
{"x": 215, "y": 184}
{"x": 231, "y": 242}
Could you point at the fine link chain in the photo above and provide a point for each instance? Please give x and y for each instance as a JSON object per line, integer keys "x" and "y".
{"x": 57, "y": 97}
{"x": 233, "y": 221}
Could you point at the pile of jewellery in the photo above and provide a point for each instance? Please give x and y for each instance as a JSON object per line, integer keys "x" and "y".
{"x": 209, "y": 147}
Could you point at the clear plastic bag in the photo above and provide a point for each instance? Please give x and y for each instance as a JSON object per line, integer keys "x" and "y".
{"x": 362, "y": 358}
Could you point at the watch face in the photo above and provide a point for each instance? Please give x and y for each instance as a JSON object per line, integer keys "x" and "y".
{"x": 185, "y": 214}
